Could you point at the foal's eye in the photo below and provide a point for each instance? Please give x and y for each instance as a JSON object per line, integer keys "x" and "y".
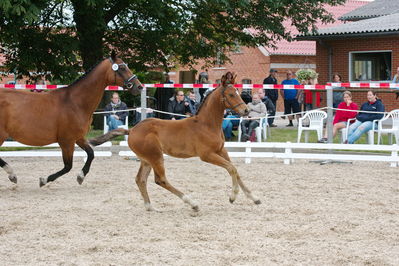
{"x": 231, "y": 95}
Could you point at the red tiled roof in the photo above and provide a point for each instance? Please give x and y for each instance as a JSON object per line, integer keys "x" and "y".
{"x": 309, "y": 47}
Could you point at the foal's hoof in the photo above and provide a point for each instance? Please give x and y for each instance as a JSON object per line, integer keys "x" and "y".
{"x": 257, "y": 202}
{"x": 195, "y": 208}
{"x": 80, "y": 178}
{"x": 13, "y": 178}
{"x": 42, "y": 181}
{"x": 231, "y": 200}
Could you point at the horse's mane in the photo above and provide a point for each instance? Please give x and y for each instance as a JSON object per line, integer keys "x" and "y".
{"x": 228, "y": 78}
{"x": 203, "y": 101}
{"x": 85, "y": 74}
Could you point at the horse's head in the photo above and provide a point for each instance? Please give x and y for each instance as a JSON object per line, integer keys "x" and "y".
{"x": 121, "y": 75}
{"x": 231, "y": 96}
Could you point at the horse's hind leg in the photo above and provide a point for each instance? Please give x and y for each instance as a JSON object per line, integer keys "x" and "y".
{"x": 67, "y": 156}
{"x": 160, "y": 179}
{"x": 84, "y": 144}
{"x": 222, "y": 159}
{"x": 6, "y": 166}
{"x": 141, "y": 181}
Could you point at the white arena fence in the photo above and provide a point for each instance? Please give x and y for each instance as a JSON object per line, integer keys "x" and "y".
{"x": 48, "y": 153}
{"x": 289, "y": 151}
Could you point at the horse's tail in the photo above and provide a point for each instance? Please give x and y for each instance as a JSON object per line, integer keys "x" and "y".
{"x": 110, "y": 135}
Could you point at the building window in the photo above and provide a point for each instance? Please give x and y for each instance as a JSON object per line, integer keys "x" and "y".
{"x": 246, "y": 81}
{"x": 218, "y": 81}
{"x": 370, "y": 66}
{"x": 219, "y": 57}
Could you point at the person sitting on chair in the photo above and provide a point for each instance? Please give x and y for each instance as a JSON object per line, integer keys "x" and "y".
{"x": 364, "y": 121}
{"x": 256, "y": 109}
{"x": 341, "y": 117}
{"x": 117, "y": 116}
{"x": 271, "y": 108}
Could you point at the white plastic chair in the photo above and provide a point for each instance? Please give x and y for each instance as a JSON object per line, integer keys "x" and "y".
{"x": 316, "y": 119}
{"x": 394, "y": 130}
{"x": 125, "y": 126}
{"x": 260, "y": 131}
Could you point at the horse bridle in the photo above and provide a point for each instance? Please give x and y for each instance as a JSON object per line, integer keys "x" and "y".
{"x": 126, "y": 82}
{"x": 225, "y": 99}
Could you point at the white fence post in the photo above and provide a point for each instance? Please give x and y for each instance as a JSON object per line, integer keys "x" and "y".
{"x": 248, "y": 153}
{"x": 288, "y": 151}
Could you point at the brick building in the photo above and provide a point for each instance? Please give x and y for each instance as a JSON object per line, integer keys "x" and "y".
{"x": 252, "y": 64}
{"x": 365, "y": 48}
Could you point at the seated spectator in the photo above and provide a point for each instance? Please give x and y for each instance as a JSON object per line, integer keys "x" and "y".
{"x": 271, "y": 109}
{"x": 177, "y": 105}
{"x": 256, "y": 109}
{"x": 364, "y": 121}
{"x": 117, "y": 116}
{"x": 229, "y": 124}
{"x": 341, "y": 117}
{"x": 192, "y": 103}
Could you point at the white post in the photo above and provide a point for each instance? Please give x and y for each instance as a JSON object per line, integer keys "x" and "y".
{"x": 143, "y": 100}
{"x": 248, "y": 152}
{"x": 394, "y": 154}
{"x": 288, "y": 151}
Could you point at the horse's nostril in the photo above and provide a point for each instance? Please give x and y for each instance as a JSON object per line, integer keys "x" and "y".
{"x": 140, "y": 87}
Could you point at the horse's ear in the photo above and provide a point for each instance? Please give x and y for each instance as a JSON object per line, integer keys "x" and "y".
{"x": 113, "y": 55}
{"x": 223, "y": 80}
{"x": 233, "y": 80}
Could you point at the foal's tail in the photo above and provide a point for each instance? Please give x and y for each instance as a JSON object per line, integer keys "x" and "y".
{"x": 110, "y": 135}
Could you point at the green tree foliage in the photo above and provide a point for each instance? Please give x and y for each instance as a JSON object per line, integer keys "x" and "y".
{"x": 65, "y": 36}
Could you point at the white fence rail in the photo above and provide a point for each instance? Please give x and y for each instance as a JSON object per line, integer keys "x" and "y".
{"x": 48, "y": 153}
{"x": 289, "y": 151}
{"x": 286, "y": 151}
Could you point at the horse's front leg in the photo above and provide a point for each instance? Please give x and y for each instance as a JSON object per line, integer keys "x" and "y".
{"x": 222, "y": 159}
{"x": 84, "y": 144}
{"x": 67, "y": 156}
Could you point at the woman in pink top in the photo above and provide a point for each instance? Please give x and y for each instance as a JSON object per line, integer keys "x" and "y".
{"x": 341, "y": 116}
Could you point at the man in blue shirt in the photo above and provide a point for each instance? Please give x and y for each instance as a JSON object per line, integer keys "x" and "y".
{"x": 291, "y": 104}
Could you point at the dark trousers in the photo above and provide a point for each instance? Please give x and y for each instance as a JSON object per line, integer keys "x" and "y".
{"x": 271, "y": 120}
{"x": 247, "y": 126}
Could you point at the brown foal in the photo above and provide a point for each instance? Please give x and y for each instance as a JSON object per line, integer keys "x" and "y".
{"x": 63, "y": 115}
{"x": 200, "y": 136}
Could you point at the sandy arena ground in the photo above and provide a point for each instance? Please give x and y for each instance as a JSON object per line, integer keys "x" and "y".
{"x": 310, "y": 215}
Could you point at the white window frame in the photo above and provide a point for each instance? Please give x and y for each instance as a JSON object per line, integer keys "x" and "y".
{"x": 363, "y": 52}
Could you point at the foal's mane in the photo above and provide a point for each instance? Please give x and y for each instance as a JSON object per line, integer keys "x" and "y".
{"x": 228, "y": 78}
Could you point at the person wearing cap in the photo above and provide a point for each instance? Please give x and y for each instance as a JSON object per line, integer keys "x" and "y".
{"x": 272, "y": 94}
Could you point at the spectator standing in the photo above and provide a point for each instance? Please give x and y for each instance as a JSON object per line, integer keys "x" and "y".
{"x": 162, "y": 95}
{"x": 177, "y": 105}
{"x": 272, "y": 94}
{"x": 117, "y": 116}
{"x": 291, "y": 104}
{"x": 395, "y": 78}
{"x": 308, "y": 96}
{"x": 337, "y": 91}
{"x": 341, "y": 116}
{"x": 256, "y": 109}
{"x": 364, "y": 121}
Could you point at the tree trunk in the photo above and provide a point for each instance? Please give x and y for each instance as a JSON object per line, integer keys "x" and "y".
{"x": 90, "y": 26}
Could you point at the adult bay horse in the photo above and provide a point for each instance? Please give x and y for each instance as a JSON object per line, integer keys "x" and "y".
{"x": 63, "y": 115}
{"x": 200, "y": 135}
